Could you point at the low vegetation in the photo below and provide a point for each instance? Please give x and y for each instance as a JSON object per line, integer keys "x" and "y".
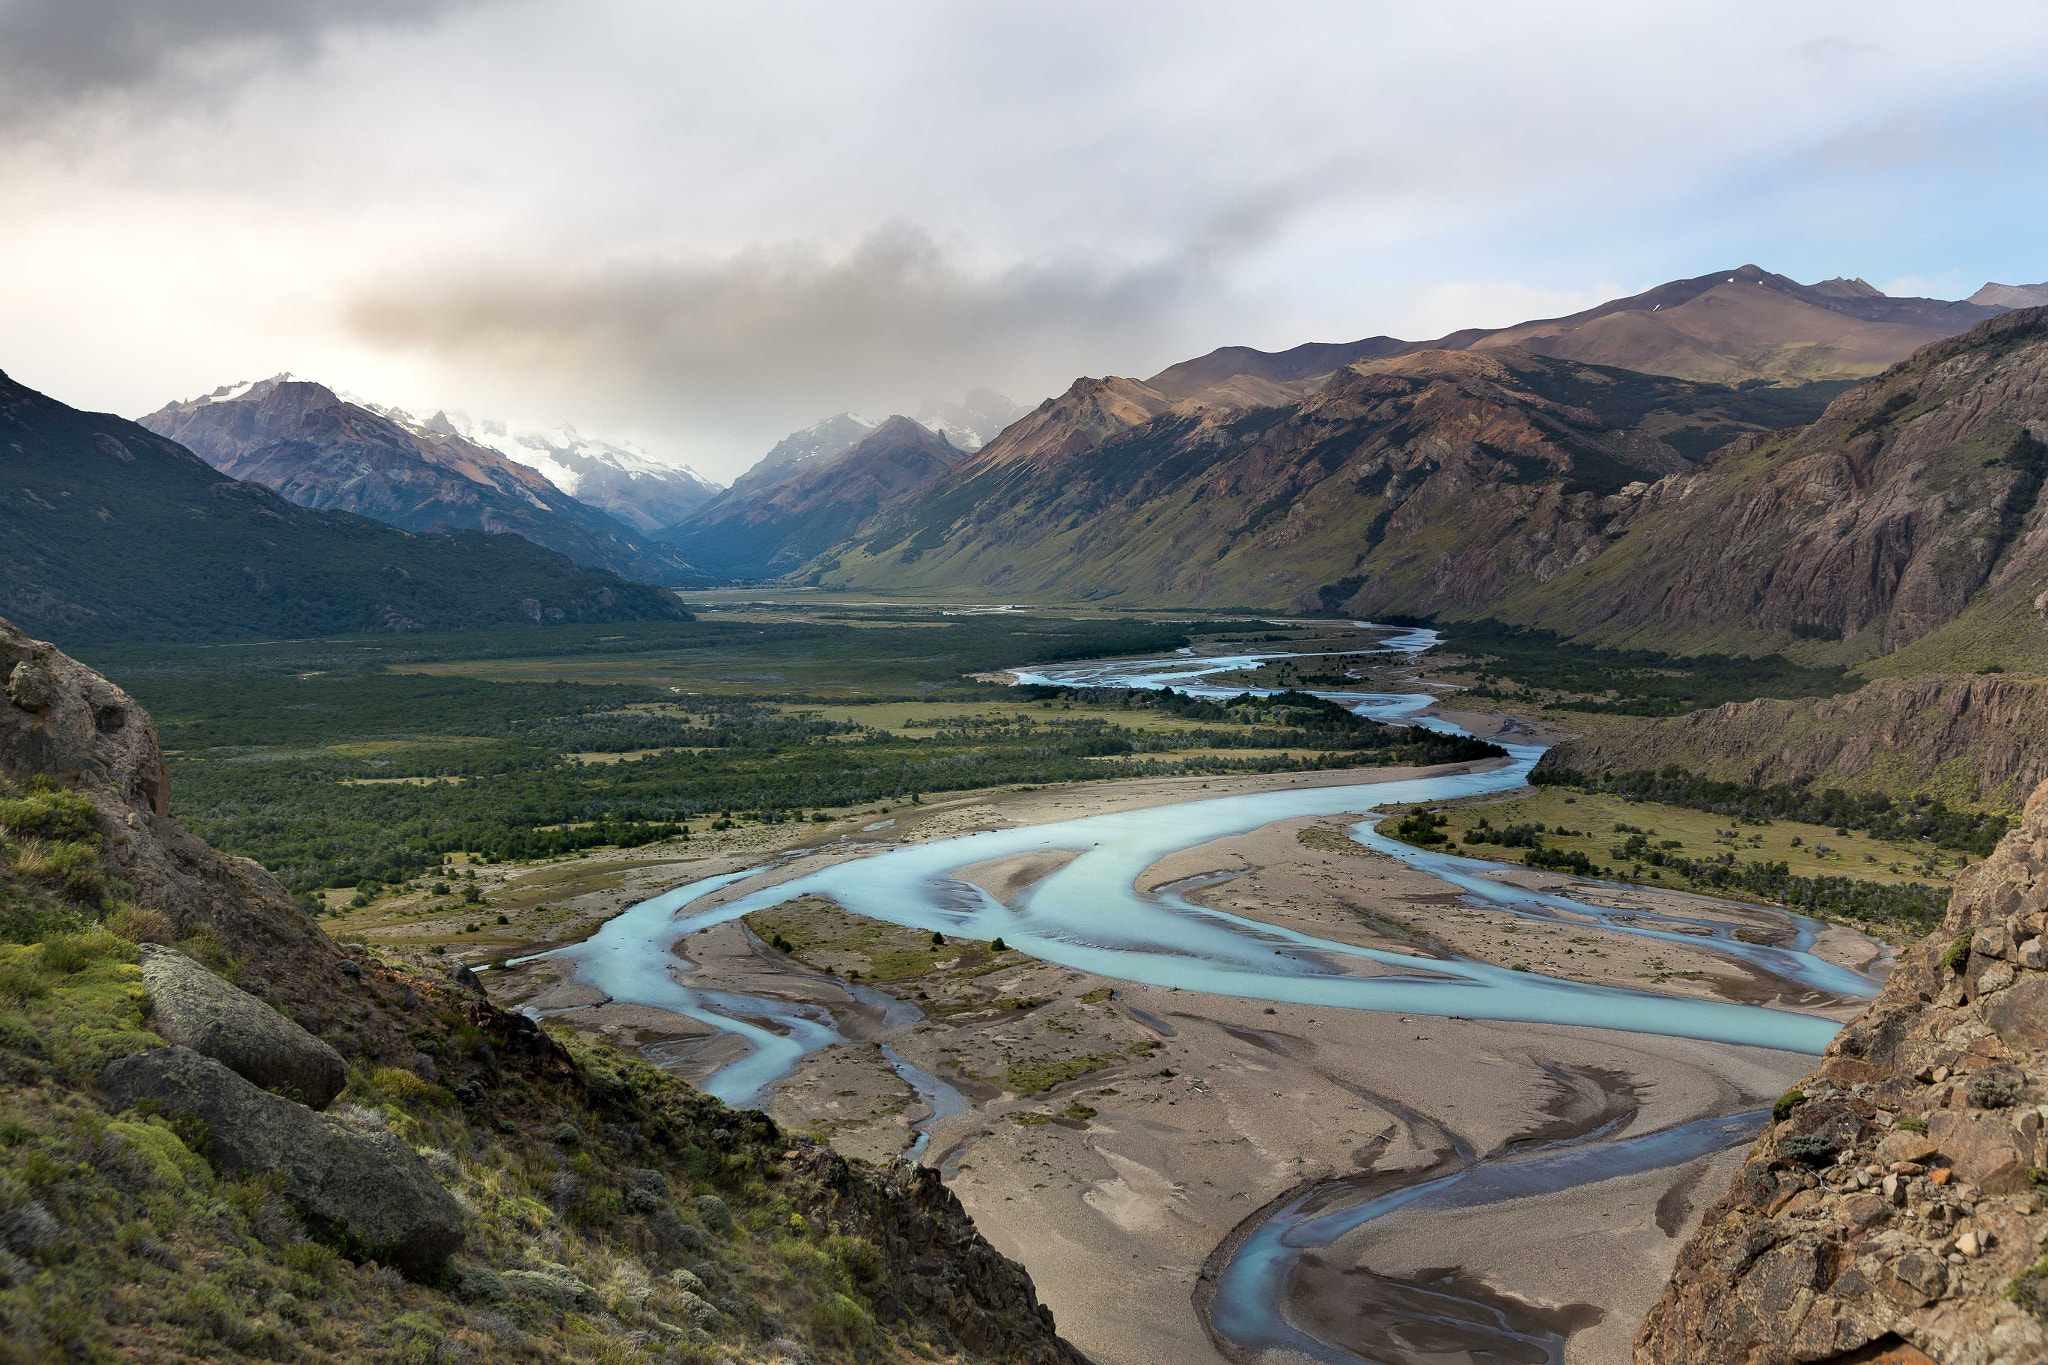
{"x": 1883, "y": 817}
{"x": 1884, "y": 881}
{"x": 334, "y": 771}
{"x": 1539, "y": 667}
{"x": 614, "y": 1214}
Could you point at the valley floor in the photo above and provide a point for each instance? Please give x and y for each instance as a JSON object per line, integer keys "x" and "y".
{"x": 1113, "y": 1136}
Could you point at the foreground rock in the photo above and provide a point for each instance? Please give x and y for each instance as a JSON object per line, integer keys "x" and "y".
{"x": 1894, "y": 1207}
{"x": 368, "y": 1190}
{"x": 192, "y": 1006}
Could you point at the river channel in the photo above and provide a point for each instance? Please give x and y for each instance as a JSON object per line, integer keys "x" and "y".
{"x": 1090, "y": 915}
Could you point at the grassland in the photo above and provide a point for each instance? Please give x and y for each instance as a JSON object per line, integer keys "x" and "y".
{"x": 346, "y": 763}
{"x": 1884, "y": 886}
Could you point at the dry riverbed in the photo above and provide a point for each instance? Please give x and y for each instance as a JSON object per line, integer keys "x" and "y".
{"x": 1114, "y": 1135}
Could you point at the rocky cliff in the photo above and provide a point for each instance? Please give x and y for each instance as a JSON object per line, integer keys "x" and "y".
{"x": 1968, "y": 740}
{"x": 479, "y": 1189}
{"x": 1892, "y": 1210}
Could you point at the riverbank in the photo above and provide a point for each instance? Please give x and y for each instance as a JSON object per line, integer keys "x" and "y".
{"x": 1169, "y": 1115}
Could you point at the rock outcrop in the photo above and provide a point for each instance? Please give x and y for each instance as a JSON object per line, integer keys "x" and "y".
{"x": 191, "y": 1006}
{"x": 938, "y": 1266}
{"x": 64, "y": 722}
{"x": 1965, "y": 739}
{"x": 1894, "y": 1206}
{"x": 366, "y": 1190}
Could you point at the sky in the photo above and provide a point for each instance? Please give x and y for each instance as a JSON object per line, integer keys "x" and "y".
{"x": 699, "y": 226}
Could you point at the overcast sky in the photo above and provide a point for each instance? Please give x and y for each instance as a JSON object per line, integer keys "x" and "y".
{"x": 701, "y": 225}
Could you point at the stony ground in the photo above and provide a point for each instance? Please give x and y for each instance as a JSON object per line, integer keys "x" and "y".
{"x": 1897, "y": 1203}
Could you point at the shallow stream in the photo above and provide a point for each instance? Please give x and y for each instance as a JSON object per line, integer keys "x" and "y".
{"x": 1091, "y": 916}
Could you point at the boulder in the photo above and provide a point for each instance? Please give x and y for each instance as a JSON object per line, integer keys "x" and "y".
{"x": 368, "y": 1191}
{"x": 191, "y": 1006}
{"x": 1982, "y": 1149}
{"x": 1904, "y": 1145}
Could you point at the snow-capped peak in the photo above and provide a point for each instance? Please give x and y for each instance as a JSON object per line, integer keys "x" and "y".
{"x": 618, "y": 477}
{"x": 229, "y": 393}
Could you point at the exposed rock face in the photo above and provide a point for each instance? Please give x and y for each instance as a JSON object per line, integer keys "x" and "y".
{"x": 1894, "y": 1207}
{"x": 367, "y": 1187}
{"x": 1981, "y": 740}
{"x": 66, "y": 722}
{"x": 936, "y": 1264}
{"x": 191, "y": 1006}
{"x": 1914, "y": 498}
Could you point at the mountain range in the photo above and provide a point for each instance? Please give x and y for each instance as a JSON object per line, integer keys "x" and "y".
{"x": 1487, "y": 474}
{"x": 1728, "y": 326}
{"x": 109, "y": 531}
{"x": 776, "y": 520}
{"x": 322, "y": 451}
{"x": 619, "y": 479}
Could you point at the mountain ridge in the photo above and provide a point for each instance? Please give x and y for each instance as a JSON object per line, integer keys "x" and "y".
{"x": 1252, "y": 492}
{"x": 112, "y": 532}
{"x": 618, "y": 479}
{"x": 784, "y": 525}
{"x": 303, "y": 440}
{"x": 1638, "y": 338}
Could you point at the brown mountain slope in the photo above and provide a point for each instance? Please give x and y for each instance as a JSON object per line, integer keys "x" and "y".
{"x": 1912, "y": 502}
{"x": 2011, "y": 295}
{"x": 1888, "y": 1215}
{"x": 1727, "y": 326}
{"x": 1426, "y": 482}
{"x": 1977, "y": 741}
{"x": 303, "y": 441}
{"x": 600, "y": 1210}
{"x": 781, "y": 527}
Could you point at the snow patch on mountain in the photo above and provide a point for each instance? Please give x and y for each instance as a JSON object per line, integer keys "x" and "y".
{"x": 617, "y": 477}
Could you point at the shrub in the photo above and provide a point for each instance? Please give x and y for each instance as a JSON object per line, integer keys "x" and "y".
{"x": 1810, "y": 1149}
{"x": 74, "y": 866}
{"x": 1956, "y": 956}
{"x": 1786, "y": 1103}
{"x": 1994, "y": 1092}
{"x": 841, "y": 1319}
{"x": 65, "y": 817}
{"x": 20, "y": 982}
{"x": 1911, "y": 1123}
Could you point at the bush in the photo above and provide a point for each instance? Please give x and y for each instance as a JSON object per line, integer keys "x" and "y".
{"x": 1786, "y": 1103}
{"x": 1809, "y": 1149}
{"x": 1956, "y": 957}
{"x": 1994, "y": 1092}
{"x": 65, "y": 817}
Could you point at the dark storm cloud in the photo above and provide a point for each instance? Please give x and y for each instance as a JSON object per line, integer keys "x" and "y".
{"x": 54, "y": 53}
{"x": 792, "y": 331}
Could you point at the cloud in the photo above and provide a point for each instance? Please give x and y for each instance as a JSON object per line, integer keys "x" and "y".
{"x": 773, "y": 336}
{"x": 57, "y": 53}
